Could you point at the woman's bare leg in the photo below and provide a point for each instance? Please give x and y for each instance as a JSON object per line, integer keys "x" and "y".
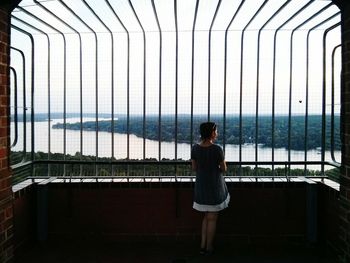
{"x": 211, "y": 219}
{"x": 204, "y": 232}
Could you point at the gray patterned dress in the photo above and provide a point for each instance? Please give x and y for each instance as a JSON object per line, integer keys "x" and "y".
{"x": 210, "y": 191}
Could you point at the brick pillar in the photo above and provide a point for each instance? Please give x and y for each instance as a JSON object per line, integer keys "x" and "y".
{"x": 6, "y": 213}
{"x": 344, "y": 211}
{"x": 6, "y": 210}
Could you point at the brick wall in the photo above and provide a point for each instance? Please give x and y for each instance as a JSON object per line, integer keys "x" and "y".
{"x": 344, "y": 213}
{"x": 138, "y": 211}
{"x": 6, "y": 210}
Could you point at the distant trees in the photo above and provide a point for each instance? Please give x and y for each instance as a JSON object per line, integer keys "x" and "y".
{"x": 168, "y": 128}
{"x": 112, "y": 167}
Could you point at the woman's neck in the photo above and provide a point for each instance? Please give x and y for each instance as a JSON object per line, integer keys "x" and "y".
{"x": 206, "y": 142}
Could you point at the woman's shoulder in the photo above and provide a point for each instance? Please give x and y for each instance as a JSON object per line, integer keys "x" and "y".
{"x": 217, "y": 146}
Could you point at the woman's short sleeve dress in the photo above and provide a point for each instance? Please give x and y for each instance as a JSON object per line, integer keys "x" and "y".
{"x": 210, "y": 191}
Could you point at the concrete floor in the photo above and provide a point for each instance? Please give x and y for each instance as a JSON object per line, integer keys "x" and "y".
{"x": 165, "y": 251}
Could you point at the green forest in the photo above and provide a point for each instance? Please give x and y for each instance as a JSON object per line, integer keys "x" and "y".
{"x": 149, "y": 128}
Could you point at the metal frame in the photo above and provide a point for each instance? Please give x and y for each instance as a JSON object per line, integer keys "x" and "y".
{"x": 24, "y": 10}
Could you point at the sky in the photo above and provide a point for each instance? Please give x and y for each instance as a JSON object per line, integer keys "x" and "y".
{"x": 149, "y": 76}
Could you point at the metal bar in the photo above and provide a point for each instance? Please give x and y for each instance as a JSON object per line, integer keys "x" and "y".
{"x": 324, "y": 86}
{"x": 15, "y": 106}
{"x": 32, "y": 89}
{"x": 160, "y": 87}
{"x": 96, "y": 74}
{"x": 225, "y": 73}
{"x": 176, "y": 92}
{"x": 307, "y": 81}
{"x": 241, "y": 84}
{"x": 291, "y": 82}
{"x": 192, "y": 67}
{"x": 24, "y": 103}
{"x": 176, "y": 79}
{"x": 65, "y": 81}
{"x": 209, "y": 54}
{"x": 257, "y": 82}
{"x": 112, "y": 76}
{"x": 332, "y": 107}
{"x": 159, "y": 81}
{"x": 144, "y": 86}
{"x": 256, "y": 163}
{"x": 179, "y": 162}
{"x": 274, "y": 78}
{"x": 128, "y": 76}
{"x": 291, "y": 78}
{"x": 307, "y": 76}
{"x": 48, "y": 83}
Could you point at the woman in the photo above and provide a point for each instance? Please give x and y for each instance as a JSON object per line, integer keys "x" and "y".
{"x": 210, "y": 192}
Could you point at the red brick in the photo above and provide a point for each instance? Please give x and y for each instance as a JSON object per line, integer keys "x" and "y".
{"x": 2, "y": 112}
{"x": 2, "y": 215}
{"x": 3, "y": 164}
{"x": 3, "y": 132}
{"x": 5, "y": 193}
{"x": 3, "y": 90}
{"x": 3, "y": 142}
{"x": 4, "y": 100}
{"x": 4, "y": 37}
{"x": 8, "y": 213}
{"x": 3, "y": 69}
{"x": 3, "y": 152}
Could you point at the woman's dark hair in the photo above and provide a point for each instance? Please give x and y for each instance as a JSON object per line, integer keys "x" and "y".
{"x": 206, "y": 129}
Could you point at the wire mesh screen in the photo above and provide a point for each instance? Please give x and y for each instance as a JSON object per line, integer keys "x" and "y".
{"x": 98, "y": 84}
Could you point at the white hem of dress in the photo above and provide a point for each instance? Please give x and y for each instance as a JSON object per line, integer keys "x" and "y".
{"x": 212, "y": 208}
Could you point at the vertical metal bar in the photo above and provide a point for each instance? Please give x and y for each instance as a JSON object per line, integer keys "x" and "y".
{"x": 48, "y": 84}
{"x": 257, "y": 84}
{"x": 159, "y": 82}
{"x": 225, "y": 73}
{"x": 65, "y": 85}
{"x": 209, "y": 54}
{"x": 291, "y": 86}
{"x": 192, "y": 66}
{"x": 274, "y": 80}
{"x": 96, "y": 79}
{"x": 144, "y": 85}
{"x": 306, "y": 103}
{"x": 307, "y": 82}
{"x": 241, "y": 86}
{"x": 112, "y": 78}
{"x": 127, "y": 77}
{"x": 176, "y": 88}
{"x": 307, "y": 76}
{"x": 324, "y": 87}
{"x": 15, "y": 106}
{"x": 24, "y": 103}
{"x": 176, "y": 81}
{"x": 64, "y": 80}
{"x": 31, "y": 91}
{"x": 291, "y": 81}
{"x": 332, "y": 105}
{"x": 290, "y": 99}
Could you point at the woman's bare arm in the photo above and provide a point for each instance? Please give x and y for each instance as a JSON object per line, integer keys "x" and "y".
{"x": 194, "y": 165}
{"x": 223, "y": 166}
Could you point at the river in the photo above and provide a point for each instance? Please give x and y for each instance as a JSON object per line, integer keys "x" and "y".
{"x": 136, "y": 145}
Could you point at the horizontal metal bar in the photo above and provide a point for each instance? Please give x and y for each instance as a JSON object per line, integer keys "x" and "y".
{"x": 142, "y": 162}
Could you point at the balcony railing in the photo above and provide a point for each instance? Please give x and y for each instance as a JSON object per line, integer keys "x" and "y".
{"x": 118, "y": 88}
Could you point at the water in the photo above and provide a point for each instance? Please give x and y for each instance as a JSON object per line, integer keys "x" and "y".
{"x": 136, "y": 145}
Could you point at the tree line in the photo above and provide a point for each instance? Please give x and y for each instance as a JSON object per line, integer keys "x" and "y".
{"x": 111, "y": 167}
{"x": 287, "y": 133}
